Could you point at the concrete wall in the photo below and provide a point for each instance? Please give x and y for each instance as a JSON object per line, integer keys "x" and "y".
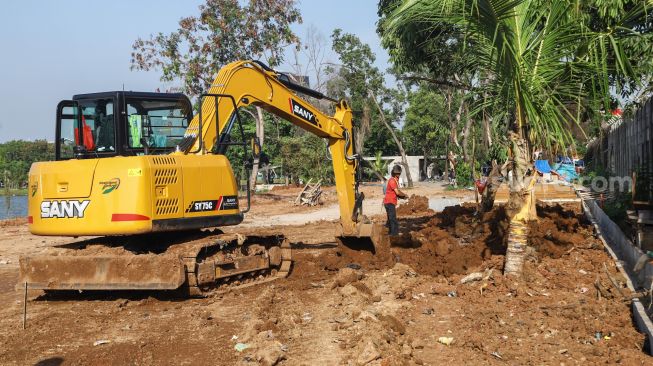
{"x": 630, "y": 259}
{"x": 414, "y": 162}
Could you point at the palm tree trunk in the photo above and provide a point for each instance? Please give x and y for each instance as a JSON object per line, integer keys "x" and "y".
{"x": 521, "y": 207}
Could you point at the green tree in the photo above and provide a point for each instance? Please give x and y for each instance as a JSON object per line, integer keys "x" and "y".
{"x": 359, "y": 81}
{"x": 536, "y": 59}
{"x": 378, "y": 167}
{"x": 17, "y": 156}
{"x": 224, "y": 31}
{"x": 426, "y": 126}
{"x": 305, "y": 157}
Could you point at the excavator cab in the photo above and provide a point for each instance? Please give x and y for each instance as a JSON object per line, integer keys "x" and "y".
{"x": 120, "y": 123}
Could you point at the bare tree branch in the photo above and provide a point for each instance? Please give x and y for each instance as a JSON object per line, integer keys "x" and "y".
{"x": 449, "y": 83}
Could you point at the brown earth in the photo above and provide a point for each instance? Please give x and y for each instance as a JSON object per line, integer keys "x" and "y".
{"x": 343, "y": 306}
{"x": 415, "y": 205}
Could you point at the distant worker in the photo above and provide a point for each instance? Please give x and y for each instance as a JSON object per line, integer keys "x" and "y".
{"x": 390, "y": 201}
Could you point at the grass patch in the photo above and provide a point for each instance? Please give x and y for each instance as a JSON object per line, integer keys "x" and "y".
{"x": 13, "y": 192}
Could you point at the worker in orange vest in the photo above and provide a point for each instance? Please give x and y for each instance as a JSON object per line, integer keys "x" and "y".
{"x": 390, "y": 201}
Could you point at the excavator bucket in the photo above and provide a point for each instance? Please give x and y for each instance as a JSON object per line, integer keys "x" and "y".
{"x": 367, "y": 236}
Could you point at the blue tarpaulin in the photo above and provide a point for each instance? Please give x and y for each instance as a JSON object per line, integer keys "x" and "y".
{"x": 542, "y": 166}
{"x": 566, "y": 171}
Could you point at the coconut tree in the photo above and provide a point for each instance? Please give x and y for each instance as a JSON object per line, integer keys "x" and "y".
{"x": 539, "y": 63}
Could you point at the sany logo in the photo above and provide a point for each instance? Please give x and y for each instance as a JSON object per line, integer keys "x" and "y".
{"x": 301, "y": 111}
{"x": 63, "y": 209}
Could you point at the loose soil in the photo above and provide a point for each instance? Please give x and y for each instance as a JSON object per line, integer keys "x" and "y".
{"x": 344, "y": 306}
{"x": 415, "y": 205}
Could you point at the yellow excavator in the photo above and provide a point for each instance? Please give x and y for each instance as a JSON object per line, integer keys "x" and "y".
{"x": 143, "y": 174}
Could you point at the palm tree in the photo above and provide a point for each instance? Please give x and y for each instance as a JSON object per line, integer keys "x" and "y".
{"x": 540, "y": 64}
{"x": 378, "y": 167}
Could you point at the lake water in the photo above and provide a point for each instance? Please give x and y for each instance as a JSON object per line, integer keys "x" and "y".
{"x": 13, "y": 206}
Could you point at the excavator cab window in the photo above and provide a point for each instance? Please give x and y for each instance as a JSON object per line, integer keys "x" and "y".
{"x": 67, "y": 131}
{"x": 98, "y": 117}
{"x": 155, "y": 126}
{"x": 85, "y": 128}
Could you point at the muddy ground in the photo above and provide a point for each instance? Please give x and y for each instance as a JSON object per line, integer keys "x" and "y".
{"x": 342, "y": 306}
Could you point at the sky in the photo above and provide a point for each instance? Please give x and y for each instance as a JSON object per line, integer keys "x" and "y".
{"x": 51, "y": 50}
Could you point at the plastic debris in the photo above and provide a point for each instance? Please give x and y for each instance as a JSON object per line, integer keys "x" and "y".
{"x": 497, "y": 355}
{"x": 452, "y": 294}
{"x": 234, "y": 337}
{"x": 419, "y": 296}
{"x": 241, "y": 346}
{"x": 581, "y": 271}
{"x": 445, "y": 340}
{"x": 101, "y": 342}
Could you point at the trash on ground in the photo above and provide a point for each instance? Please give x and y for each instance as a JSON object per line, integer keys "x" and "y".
{"x": 445, "y": 340}
{"x": 241, "y": 346}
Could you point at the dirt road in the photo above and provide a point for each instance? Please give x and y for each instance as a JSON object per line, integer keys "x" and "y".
{"x": 340, "y": 306}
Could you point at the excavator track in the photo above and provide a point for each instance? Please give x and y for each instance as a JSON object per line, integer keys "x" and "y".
{"x": 195, "y": 264}
{"x": 237, "y": 262}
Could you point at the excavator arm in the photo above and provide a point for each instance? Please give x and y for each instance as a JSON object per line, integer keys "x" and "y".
{"x": 251, "y": 83}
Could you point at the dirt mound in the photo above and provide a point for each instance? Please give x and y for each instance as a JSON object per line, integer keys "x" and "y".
{"x": 557, "y": 231}
{"x": 458, "y": 241}
{"x": 13, "y": 222}
{"x": 415, "y": 205}
{"x": 454, "y": 241}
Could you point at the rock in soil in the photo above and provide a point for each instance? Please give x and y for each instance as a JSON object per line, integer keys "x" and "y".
{"x": 369, "y": 354}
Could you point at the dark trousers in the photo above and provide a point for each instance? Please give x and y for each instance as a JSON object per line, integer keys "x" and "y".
{"x": 392, "y": 223}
